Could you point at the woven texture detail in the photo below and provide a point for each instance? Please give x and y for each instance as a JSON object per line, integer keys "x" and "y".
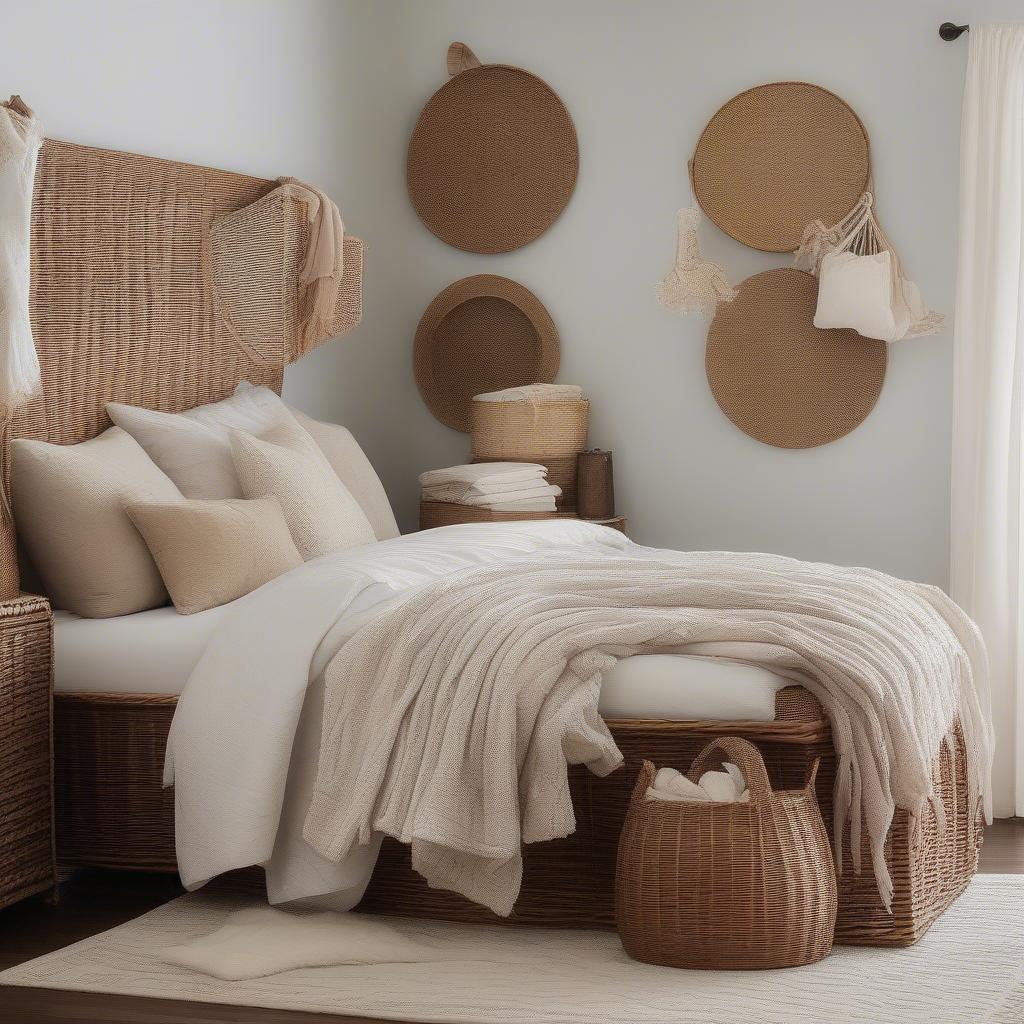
{"x": 123, "y": 305}
{"x": 482, "y": 333}
{"x": 26, "y": 841}
{"x": 113, "y": 812}
{"x": 727, "y": 886}
{"x": 779, "y": 378}
{"x": 502, "y": 430}
{"x": 776, "y": 157}
{"x": 493, "y": 158}
{"x": 255, "y": 256}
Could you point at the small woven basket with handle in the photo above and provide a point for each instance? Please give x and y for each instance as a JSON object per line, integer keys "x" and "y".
{"x": 735, "y": 886}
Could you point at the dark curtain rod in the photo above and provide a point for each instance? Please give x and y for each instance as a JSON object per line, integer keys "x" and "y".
{"x": 949, "y": 31}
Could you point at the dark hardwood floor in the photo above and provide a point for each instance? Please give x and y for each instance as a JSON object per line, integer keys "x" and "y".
{"x": 93, "y": 901}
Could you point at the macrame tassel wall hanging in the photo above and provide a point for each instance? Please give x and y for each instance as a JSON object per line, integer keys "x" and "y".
{"x": 694, "y": 284}
{"x": 846, "y": 258}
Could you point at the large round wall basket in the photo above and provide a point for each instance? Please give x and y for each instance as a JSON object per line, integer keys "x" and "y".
{"x": 779, "y": 378}
{"x": 493, "y": 158}
{"x": 482, "y": 333}
{"x": 777, "y": 157}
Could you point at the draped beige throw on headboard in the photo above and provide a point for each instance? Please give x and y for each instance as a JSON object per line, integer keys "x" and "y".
{"x": 145, "y": 292}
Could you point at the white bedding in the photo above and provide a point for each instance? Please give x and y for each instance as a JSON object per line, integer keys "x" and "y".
{"x": 155, "y": 652}
{"x": 243, "y": 747}
{"x": 148, "y": 652}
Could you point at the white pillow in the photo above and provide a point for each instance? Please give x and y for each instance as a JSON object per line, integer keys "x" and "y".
{"x": 355, "y": 471}
{"x": 193, "y": 448}
{"x": 68, "y": 507}
{"x": 320, "y": 512}
{"x": 856, "y": 292}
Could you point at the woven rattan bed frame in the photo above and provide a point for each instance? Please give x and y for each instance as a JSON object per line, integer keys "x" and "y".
{"x": 112, "y": 812}
{"x": 102, "y": 338}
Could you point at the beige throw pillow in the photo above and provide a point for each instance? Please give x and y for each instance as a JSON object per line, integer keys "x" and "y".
{"x": 212, "y": 552}
{"x": 319, "y": 509}
{"x": 69, "y": 511}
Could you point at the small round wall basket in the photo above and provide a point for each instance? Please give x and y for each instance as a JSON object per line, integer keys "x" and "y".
{"x": 493, "y": 158}
{"x": 779, "y": 378}
{"x": 777, "y": 157}
{"x": 482, "y": 333}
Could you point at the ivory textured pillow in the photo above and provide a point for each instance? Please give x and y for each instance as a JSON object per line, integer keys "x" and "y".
{"x": 354, "y": 470}
{"x": 321, "y": 513}
{"x": 69, "y": 510}
{"x": 212, "y": 552}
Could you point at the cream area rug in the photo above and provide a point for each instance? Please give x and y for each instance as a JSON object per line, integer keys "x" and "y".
{"x": 969, "y": 969}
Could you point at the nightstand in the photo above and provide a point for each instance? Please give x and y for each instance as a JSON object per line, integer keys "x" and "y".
{"x": 27, "y": 861}
{"x": 446, "y": 513}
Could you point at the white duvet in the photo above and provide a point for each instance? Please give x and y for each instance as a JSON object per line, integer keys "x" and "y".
{"x": 412, "y": 679}
{"x": 242, "y": 750}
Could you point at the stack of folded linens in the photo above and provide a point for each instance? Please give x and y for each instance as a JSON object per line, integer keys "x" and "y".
{"x": 495, "y": 486}
{"x": 544, "y": 424}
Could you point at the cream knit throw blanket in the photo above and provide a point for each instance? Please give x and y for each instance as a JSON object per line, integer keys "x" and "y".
{"x": 448, "y": 721}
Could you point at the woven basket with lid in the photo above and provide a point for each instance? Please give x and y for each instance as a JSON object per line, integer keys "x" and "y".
{"x": 511, "y": 430}
{"x": 726, "y": 886}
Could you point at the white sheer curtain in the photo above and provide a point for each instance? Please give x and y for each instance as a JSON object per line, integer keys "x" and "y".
{"x": 987, "y": 543}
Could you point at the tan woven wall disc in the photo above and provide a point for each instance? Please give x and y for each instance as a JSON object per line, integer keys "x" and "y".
{"x": 776, "y": 157}
{"x": 493, "y": 158}
{"x": 482, "y": 333}
{"x": 778, "y": 377}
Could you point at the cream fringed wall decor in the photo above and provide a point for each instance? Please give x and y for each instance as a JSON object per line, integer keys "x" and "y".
{"x": 124, "y": 303}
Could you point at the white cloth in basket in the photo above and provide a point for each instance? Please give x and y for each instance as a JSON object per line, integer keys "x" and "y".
{"x": 726, "y": 786}
{"x": 534, "y": 393}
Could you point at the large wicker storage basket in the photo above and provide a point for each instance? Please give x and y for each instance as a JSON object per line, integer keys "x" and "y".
{"x": 733, "y": 886}
{"x": 511, "y": 430}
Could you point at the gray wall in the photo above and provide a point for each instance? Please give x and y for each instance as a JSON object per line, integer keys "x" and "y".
{"x": 640, "y": 81}
{"x": 329, "y": 91}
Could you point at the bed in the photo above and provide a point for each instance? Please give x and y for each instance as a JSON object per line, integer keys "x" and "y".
{"x": 174, "y": 349}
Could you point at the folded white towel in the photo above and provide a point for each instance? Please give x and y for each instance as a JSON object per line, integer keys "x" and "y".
{"x": 726, "y": 786}
{"x": 478, "y": 472}
{"x": 502, "y": 486}
{"x": 534, "y": 393}
{"x": 527, "y": 490}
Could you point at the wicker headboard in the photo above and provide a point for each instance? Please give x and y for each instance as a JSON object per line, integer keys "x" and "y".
{"x": 122, "y": 301}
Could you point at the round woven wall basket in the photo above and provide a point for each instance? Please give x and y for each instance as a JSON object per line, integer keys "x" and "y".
{"x": 779, "y": 378}
{"x": 483, "y": 333}
{"x": 493, "y": 158}
{"x": 777, "y": 157}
